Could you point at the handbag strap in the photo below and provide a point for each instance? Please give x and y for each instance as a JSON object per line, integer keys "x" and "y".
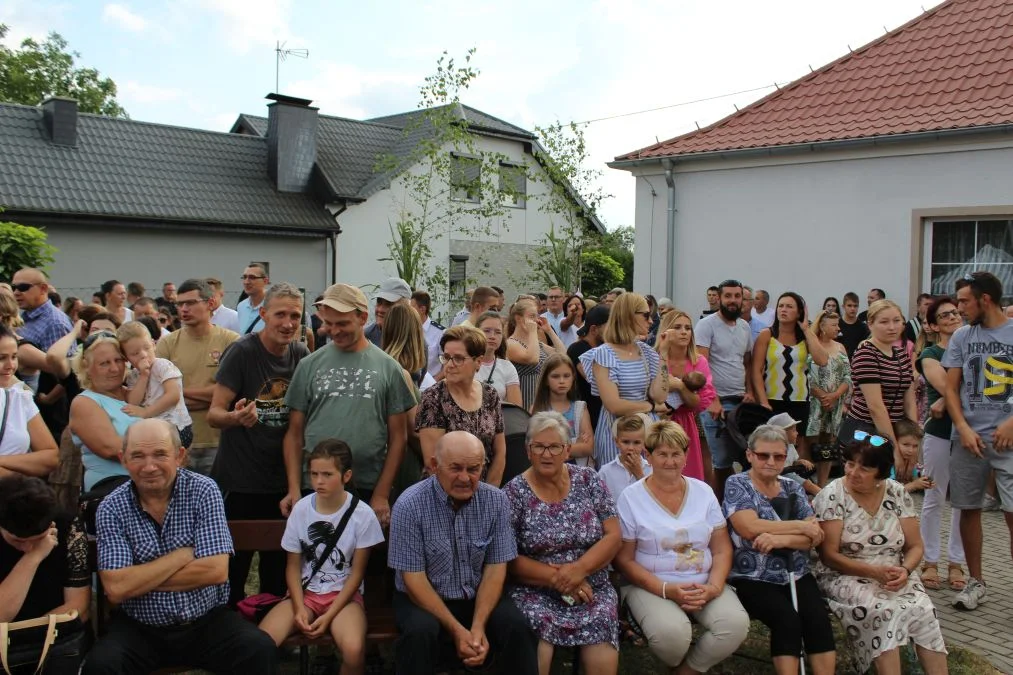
{"x": 47, "y": 643}
{"x": 250, "y": 327}
{"x": 7, "y": 412}
{"x": 338, "y": 531}
{"x": 49, "y": 621}
{"x": 492, "y": 371}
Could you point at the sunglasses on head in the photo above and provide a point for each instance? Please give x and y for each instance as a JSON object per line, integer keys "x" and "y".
{"x": 874, "y": 440}
{"x": 90, "y": 340}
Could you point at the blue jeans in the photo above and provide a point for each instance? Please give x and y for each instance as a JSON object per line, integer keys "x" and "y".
{"x": 714, "y": 429}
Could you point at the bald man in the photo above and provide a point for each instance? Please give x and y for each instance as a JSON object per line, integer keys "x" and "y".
{"x": 447, "y": 594}
{"x": 44, "y": 322}
{"x": 163, "y": 557}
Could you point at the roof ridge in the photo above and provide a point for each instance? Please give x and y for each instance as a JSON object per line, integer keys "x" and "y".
{"x": 335, "y": 117}
{"x": 790, "y": 86}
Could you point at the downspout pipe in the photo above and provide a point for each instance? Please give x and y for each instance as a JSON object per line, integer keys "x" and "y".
{"x": 670, "y": 247}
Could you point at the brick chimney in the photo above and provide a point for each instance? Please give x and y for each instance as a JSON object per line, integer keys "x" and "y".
{"x": 291, "y": 142}
{"x": 60, "y": 118}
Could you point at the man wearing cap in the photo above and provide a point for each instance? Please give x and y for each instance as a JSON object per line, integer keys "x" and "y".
{"x": 392, "y": 291}
{"x": 350, "y": 390}
{"x": 589, "y": 337}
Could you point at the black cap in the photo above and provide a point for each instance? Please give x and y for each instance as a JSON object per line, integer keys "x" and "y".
{"x": 596, "y": 316}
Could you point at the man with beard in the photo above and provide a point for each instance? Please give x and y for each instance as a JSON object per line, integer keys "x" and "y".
{"x": 726, "y": 341}
{"x": 978, "y": 362}
{"x": 248, "y": 407}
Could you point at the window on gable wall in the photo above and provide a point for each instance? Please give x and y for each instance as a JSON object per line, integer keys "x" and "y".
{"x": 513, "y": 185}
{"x": 961, "y": 247}
{"x": 465, "y": 178}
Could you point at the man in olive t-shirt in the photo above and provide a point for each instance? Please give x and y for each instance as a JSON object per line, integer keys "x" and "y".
{"x": 350, "y": 390}
{"x": 196, "y": 349}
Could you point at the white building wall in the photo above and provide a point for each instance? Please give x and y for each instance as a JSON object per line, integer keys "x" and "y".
{"x": 88, "y": 257}
{"x": 820, "y": 226}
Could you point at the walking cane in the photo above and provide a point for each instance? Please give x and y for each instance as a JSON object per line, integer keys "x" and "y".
{"x": 784, "y": 507}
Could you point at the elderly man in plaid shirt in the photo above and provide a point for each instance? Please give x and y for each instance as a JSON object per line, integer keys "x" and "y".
{"x": 450, "y": 542}
{"x": 163, "y": 556}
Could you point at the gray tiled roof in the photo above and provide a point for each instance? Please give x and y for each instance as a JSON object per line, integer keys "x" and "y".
{"x": 476, "y": 119}
{"x": 124, "y": 168}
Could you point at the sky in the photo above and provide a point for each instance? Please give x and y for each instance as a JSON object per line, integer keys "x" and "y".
{"x": 199, "y": 63}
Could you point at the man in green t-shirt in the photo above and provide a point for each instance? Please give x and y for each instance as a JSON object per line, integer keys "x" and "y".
{"x": 350, "y": 390}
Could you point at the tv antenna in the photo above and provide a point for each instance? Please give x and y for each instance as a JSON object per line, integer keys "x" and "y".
{"x": 280, "y": 54}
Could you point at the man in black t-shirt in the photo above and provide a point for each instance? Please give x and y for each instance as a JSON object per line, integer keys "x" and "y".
{"x": 590, "y": 337}
{"x": 248, "y": 405}
{"x": 853, "y": 328}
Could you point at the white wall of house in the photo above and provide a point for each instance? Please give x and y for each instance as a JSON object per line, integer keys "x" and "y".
{"x": 87, "y": 258}
{"x": 820, "y": 224}
{"x": 365, "y": 231}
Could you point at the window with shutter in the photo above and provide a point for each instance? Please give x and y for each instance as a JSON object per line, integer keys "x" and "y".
{"x": 513, "y": 185}
{"x": 465, "y": 178}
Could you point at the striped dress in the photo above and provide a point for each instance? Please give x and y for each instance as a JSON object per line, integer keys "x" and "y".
{"x": 633, "y": 378}
{"x": 784, "y": 378}
{"x": 528, "y": 374}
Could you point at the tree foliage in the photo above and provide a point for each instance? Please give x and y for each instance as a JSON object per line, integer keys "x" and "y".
{"x": 36, "y": 71}
{"x": 447, "y": 184}
{"x": 572, "y": 198}
{"x": 600, "y": 273}
{"x": 618, "y": 245}
{"x": 22, "y": 246}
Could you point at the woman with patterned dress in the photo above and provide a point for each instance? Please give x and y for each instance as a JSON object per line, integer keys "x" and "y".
{"x": 526, "y": 347}
{"x": 624, "y": 371}
{"x": 780, "y": 354}
{"x": 828, "y": 389}
{"x": 870, "y": 551}
{"x": 767, "y": 545}
{"x": 567, "y": 533}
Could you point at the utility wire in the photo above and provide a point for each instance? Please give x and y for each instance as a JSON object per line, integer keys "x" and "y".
{"x": 677, "y": 105}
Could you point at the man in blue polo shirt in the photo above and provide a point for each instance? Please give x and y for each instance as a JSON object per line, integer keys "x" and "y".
{"x": 163, "y": 557}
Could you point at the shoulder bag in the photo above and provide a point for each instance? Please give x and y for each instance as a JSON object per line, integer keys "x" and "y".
{"x": 23, "y": 657}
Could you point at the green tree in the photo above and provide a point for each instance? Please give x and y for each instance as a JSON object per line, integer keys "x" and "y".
{"x": 572, "y": 197}
{"x": 445, "y": 183}
{"x": 600, "y": 273}
{"x": 22, "y": 246}
{"x": 36, "y": 71}
{"x": 618, "y": 245}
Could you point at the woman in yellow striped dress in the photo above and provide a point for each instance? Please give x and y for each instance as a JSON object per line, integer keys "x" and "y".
{"x": 779, "y": 363}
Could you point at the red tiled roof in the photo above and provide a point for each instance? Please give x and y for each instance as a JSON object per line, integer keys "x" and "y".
{"x": 950, "y": 68}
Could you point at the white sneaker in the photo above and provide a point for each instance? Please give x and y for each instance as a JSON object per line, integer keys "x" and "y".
{"x": 972, "y": 595}
{"x": 990, "y": 503}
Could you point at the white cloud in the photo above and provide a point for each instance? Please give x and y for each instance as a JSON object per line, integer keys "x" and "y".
{"x": 349, "y": 91}
{"x": 124, "y": 18}
{"x": 145, "y": 93}
{"x": 246, "y": 25}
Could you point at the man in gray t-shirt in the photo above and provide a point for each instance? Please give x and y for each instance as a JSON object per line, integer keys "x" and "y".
{"x": 726, "y": 341}
{"x": 979, "y": 396}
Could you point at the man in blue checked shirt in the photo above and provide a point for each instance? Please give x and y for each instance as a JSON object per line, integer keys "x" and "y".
{"x": 163, "y": 557}
{"x": 450, "y": 542}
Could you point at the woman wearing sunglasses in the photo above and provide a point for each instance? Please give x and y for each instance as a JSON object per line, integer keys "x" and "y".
{"x": 943, "y": 321}
{"x": 883, "y": 377}
{"x": 461, "y": 403}
{"x": 97, "y": 420}
{"x": 868, "y": 561}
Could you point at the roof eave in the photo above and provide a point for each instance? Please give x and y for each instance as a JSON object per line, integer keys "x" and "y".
{"x": 814, "y": 146}
{"x": 142, "y": 221}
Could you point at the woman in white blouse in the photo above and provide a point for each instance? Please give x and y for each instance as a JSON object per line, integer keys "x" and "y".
{"x": 494, "y": 369}
{"x": 676, "y": 554}
{"x": 26, "y": 446}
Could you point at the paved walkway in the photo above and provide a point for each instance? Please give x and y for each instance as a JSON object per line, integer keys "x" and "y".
{"x": 987, "y": 629}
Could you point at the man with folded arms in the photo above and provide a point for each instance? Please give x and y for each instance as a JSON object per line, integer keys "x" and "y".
{"x": 163, "y": 557}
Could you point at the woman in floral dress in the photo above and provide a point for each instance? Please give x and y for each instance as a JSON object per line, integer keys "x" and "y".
{"x": 828, "y": 389}
{"x": 870, "y": 551}
{"x": 567, "y": 532}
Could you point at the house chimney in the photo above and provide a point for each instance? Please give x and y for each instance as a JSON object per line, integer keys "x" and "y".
{"x": 291, "y": 142}
{"x": 60, "y": 117}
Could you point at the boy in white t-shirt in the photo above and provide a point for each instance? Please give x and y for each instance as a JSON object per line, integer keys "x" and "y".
{"x": 326, "y": 595}
{"x": 630, "y": 466}
{"x": 785, "y": 422}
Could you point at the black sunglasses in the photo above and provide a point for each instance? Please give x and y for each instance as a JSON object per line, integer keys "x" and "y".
{"x": 23, "y": 287}
{"x": 90, "y": 340}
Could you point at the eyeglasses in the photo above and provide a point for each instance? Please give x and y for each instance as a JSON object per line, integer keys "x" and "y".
{"x": 646, "y": 315}
{"x": 90, "y": 340}
{"x": 767, "y": 456}
{"x": 874, "y": 440}
{"x": 251, "y": 277}
{"x": 553, "y": 449}
{"x": 555, "y": 297}
{"x": 23, "y": 287}
{"x": 187, "y": 304}
{"x": 952, "y": 314}
{"x": 457, "y": 359}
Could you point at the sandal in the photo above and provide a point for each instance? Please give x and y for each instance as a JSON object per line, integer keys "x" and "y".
{"x": 930, "y": 576}
{"x": 955, "y": 577}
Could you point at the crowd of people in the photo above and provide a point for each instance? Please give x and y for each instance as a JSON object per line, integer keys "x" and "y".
{"x": 150, "y": 423}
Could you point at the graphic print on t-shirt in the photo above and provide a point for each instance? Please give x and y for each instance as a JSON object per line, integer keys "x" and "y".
{"x": 345, "y": 383}
{"x": 336, "y": 568}
{"x": 271, "y": 408}
{"x": 990, "y": 385}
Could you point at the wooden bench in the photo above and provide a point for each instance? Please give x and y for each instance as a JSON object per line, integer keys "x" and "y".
{"x": 265, "y": 535}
